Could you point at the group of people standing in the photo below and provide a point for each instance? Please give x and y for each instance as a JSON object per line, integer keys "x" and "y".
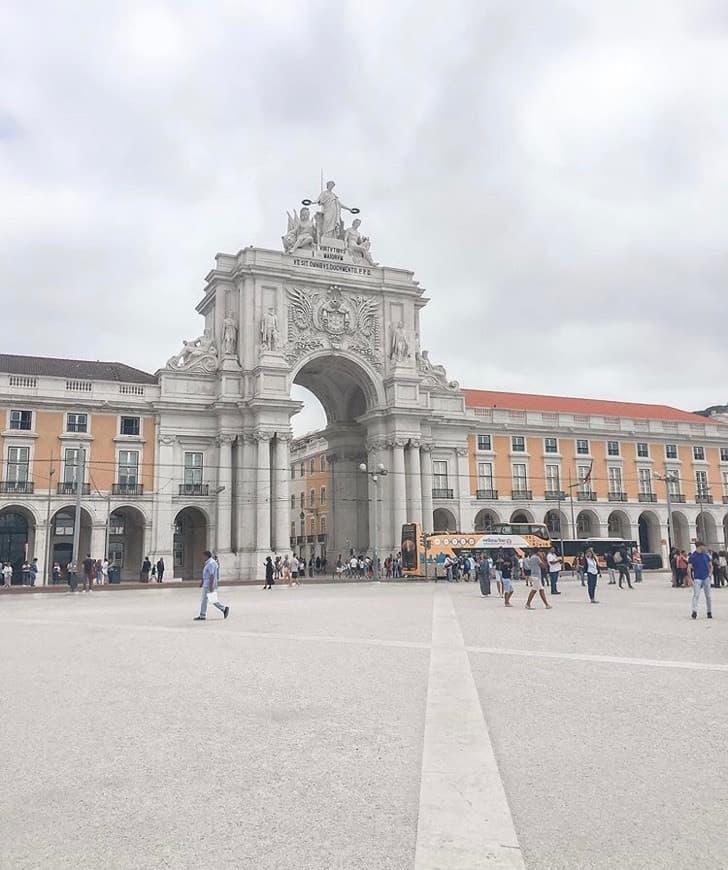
{"x": 28, "y": 572}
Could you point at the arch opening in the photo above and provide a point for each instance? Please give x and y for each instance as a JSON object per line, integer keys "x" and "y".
{"x": 649, "y": 532}
{"x": 191, "y": 531}
{"x": 619, "y": 526}
{"x": 61, "y": 532}
{"x": 522, "y": 516}
{"x": 556, "y": 523}
{"x": 706, "y": 529}
{"x": 17, "y": 539}
{"x": 126, "y": 541}
{"x": 485, "y": 520}
{"x": 443, "y": 520}
{"x": 587, "y": 525}
{"x": 680, "y": 531}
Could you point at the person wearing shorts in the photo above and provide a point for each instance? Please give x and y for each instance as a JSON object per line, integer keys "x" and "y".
{"x": 507, "y": 582}
{"x": 537, "y": 587}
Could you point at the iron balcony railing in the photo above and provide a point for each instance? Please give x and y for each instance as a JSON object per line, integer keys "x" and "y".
{"x": 127, "y": 489}
{"x": 322, "y": 537}
{"x": 194, "y": 489}
{"x": 521, "y": 494}
{"x": 488, "y": 494}
{"x": 647, "y": 496}
{"x": 678, "y": 498}
{"x": 70, "y": 488}
{"x": 617, "y": 496}
{"x": 22, "y": 487}
{"x": 554, "y": 495}
{"x": 703, "y": 498}
{"x": 442, "y": 493}
{"x": 586, "y": 496}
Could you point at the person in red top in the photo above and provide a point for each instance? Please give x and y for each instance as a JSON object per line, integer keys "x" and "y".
{"x": 681, "y": 567}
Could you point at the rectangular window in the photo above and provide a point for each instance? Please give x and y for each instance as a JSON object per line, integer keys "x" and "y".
{"x": 302, "y": 501}
{"x": 293, "y": 472}
{"x": 128, "y": 467}
{"x": 484, "y": 442}
{"x": 485, "y": 475}
{"x": 645, "y": 480}
{"x": 725, "y": 483}
{"x": 671, "y": 451}
{"x": 615, "y": 479}
{"x": 21, "y": 420}
{"x": 302, "y": 526}
{"x": 582, "y": 472}
{"x": 312, "y": 498}
{"x": 518, "y": 444}
{"x": 673, "y": 481}
{"x": 312, "y": 526}
{"x": 323, "y": 463}
{"x": 612, "y": 448}
{"x": 553, "y": 478}
{"x": 519, "y": 477}
{"x": 116, "y": 524}
{"x": 293, "y": 530}
{"x": 322, "y": 525}
{"x": 293, "y": 502}
{"x": 312, "y": 466}
{"x": 302, "y": 470}
{"x": 193, "y": 469}
{"x": 116, "y": 554}
{"x": 724, "y": 454}
{"x": 699, "y": 453}
{"x": 64, "y": 523}
{"x": 701, "y": 482}
{"x": 643, "y": 450}
{"x": 18, "y": 462}
{"x": 129, "y": 426}
{"x": 551, "y": 445}
{"x": 72, "y": 457}
{"x": 76, "y": 423}
{"x": 582, "y": 447}
{"x": 323, "y": 495}
{"x": 439, "y": 474}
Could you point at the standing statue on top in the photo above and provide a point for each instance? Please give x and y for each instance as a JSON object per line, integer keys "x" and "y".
{"x": 328, "y": 218}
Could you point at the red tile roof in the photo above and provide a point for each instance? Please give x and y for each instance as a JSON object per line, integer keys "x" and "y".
{"x": 570, "y": 405}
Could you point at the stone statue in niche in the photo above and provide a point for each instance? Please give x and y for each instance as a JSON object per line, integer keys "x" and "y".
{"x": 301, "y": 232}
{"x": 199, "y": 355}
{"x": 357, "y": 244}
{"x": 399, "y": 349}
{"x": 229, "y": 335}
{"x": 269, "y": 335}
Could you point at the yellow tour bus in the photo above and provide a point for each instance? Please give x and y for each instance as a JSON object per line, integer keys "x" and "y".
{"x": 419, "y": 551}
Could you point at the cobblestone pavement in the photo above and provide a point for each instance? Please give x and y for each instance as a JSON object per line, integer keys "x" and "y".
{"x": 363, "y": 726}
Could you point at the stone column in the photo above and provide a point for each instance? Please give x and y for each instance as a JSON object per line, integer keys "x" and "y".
{"x": 163, "y": 513}
{"x": 463, "y": 490}
{"x": 414, "y": 485}
{"x": 262, "y": 492}
{"x": 399, "y": 491}
{"x": 378, "y": 529}
{"x": 224, "y": 497}
{"x": 246, "y": 491}
{"x": 281, "y": 494}
{"x": 426, "y": 480}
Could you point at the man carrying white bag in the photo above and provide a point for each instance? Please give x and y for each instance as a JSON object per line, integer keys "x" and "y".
{"x": 209, "y": 583}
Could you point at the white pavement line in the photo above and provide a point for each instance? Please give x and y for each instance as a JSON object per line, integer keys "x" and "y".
{"x": 586, "y": 657}
{"x": 464, "y": 822}
{"x": 254, "y": 635}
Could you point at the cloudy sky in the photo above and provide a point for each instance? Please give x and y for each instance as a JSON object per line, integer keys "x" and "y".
{"x": 554, "y": 172}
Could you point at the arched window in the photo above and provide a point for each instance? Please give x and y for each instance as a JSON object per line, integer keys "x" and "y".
{"x": 322, "y": 525}
{"x": 312, "y": 497}
{"x": 302, "y": 500}
{"x": 323, "y": 495}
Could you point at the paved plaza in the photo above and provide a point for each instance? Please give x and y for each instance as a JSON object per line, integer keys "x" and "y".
{"x": 364, "y": 726}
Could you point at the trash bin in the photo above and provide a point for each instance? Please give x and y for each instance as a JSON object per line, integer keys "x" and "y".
{"x": 114, "y": 574}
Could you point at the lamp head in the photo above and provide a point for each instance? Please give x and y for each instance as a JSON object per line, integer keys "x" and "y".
{"x": 363, "y": 466}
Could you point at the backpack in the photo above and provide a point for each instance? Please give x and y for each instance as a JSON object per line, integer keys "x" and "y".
{"x": 618, "y": 557}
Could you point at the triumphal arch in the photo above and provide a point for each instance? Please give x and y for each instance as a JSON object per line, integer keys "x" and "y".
{"x": 323, "y": 313}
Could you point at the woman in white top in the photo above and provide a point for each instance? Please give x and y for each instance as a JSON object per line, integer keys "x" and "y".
{"x": 592, "y": 572}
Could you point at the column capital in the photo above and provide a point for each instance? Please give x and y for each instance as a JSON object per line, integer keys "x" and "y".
{"x": 462, "y": 451}
{"x": 426, "y": 446}
{"x": 376, "y": 444}
{"x": 284, "y": 436}
{"x": 225, "y": 438}
{"x": 396, "y": 442}
{"x": 261, "y": 435}
{"x": 167, "y": 440}
{"x": 415, "y": 443}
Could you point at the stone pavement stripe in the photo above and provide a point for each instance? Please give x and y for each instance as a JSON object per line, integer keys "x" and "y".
{"x": 464, "y": 821}
{"x": 585, "y": 657}
{"x": 259, "y": 635}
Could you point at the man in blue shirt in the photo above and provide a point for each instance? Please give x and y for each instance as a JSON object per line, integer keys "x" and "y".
{"x": 209, "y": 582}
{"x": 702, "y": 568}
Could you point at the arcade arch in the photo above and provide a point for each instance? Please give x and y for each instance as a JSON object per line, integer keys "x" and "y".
{"x": 680, "y": 531}
{"x": 706, "y": 529}
{"x": 587, "y": 525}
{"x": 17, "y": 538}
{"x": 126, "y": 541}
{"x": 443, "y": 520}
{"x": 522, "y": 516}
{"x": 485, "y": 520}
{"x": 556, "y": 523}
{"x": 649, "y": 532}
{"x": 619, "y": 526}
{"x": 191, "y": 528}
{"x": 61, "y": 532}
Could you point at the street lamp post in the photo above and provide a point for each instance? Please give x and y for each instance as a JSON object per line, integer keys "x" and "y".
{"x": 668, "y": 478}
{"x": 47, "y": 571}
{"x": 374, "y": 476}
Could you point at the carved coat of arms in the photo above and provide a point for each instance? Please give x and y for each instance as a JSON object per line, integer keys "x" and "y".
{"x": 331, "y": 319}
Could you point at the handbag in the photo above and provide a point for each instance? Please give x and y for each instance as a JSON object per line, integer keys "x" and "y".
{"x": 212, "y": 597}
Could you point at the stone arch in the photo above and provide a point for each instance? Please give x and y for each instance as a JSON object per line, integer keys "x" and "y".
{"x": 126, "y": 535}
{"x": 556, "y": 523}
{"x": 191, "y": 533}
{"x": 681, "y": 531}
{"x": 587, "y": 524}
{"x": 522, "y": 516}
{"x": 17, "y": 538}
{"x": 346, "y": 386}
{"x": 61, "y": 535}
{"x": 706, "y": 529}
{"x": 485, "y": 519}
{"x": 619, "y": 525}
{"x": 649, "y": 532}
{"x": 443, "y": 520}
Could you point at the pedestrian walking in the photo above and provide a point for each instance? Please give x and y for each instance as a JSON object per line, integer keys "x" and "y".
{"x": 7, "y": 575}
{"x": 581, "y": 567}
{"x": 506, "y": 581}
{"x": 554, "y": 563}
{"x": 33, "y": 571}
{"x": 269, "y": 571}
{"x": 483, "y": 571}
{"x": 702, "y": 570}
{"x": 622, "y": 563}
{"x": 88, "y": 568}
{"x": 537, "y": 588}
{"x": 637, "y": 562}
{"x": 72, "y": 572}
{"x": 209, "y": 584}
{"x": 56, "y": 574}
{"x": 160, "y": 569}
{"x": 25, "y": 573}
{"x": 611, "y": 567}
{"x": 592, "y": 573}
{"x": 146, "y": 570}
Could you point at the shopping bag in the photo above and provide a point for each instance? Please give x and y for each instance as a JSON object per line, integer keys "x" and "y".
{"x": 212, "y": 597}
